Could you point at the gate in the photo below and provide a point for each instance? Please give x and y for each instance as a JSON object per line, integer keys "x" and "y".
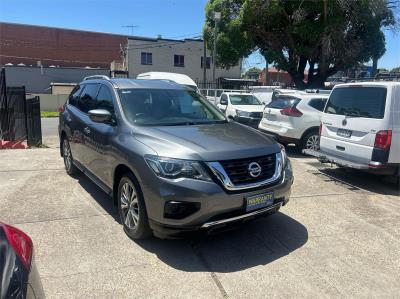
{"x": 34, "y": 126}
{"x": 19, "y": 117}
{"x": 4, "y": 121}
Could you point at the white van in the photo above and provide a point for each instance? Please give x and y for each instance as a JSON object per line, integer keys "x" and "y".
{"x": 175, "y": 77}
{"x": 360, "y": 127}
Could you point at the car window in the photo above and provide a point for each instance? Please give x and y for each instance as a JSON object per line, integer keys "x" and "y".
{"x": 283, "y": 102}
{"x": 105, "y": 99}
{"x": 167, "y": 107}
{"x": 243, "y": 99}
{"x": 318, "y": 104}
{"x": 224, "y": 97}
{"x": 87, "y": 100}
{"x": 368, "y": 102}
{"x": 74, "y": 96}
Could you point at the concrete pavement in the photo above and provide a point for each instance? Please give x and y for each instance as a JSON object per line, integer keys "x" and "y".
{"x": 339, "y": 236}
{"x": 50, "y": 131}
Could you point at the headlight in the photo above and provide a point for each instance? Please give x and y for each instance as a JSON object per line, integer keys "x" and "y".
{"x": 284, "y": 157}
{"x": 241, "y": 113}
{"x": 174, "y": 168}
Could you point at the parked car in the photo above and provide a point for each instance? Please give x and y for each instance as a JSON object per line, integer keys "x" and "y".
{"x": 244, "y": 108}
{"x": 264, "y": 93}
{"x": 174, "y": 77}
{"x": 360, "y": 127}
{"x": 19, "y": 277}
{"x": 170, "y": 160}
{"x": 277, "y": 92}
{"x": 295, "y": 119}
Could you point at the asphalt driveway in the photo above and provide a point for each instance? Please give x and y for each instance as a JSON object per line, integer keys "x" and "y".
{"x": 339, "y": 236}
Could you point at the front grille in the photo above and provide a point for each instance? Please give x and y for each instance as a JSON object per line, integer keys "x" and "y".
{"x": 256, "y": 114}
{"x": 237, "y": 170}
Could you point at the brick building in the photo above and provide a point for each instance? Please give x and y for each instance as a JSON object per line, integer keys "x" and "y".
{"x": 28, "y": 44}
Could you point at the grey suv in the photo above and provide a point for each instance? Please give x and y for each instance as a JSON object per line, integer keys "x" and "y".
{"x": 170, "y": 160}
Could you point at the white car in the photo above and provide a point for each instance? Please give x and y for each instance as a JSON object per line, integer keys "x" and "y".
{"x": 263, "y": 93}
{"x": 174, "y": 77}
{"x": 244, "y": 108}
{"x": 360, "y": 127}
{"x": 295, "y": 118}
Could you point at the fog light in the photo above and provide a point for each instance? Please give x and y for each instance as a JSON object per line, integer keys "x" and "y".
{"x": 179, "y": 209}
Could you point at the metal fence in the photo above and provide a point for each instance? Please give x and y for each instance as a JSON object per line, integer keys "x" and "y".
{"x": 19, "y": 117}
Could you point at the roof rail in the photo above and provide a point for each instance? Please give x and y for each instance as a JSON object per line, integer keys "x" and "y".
{"x": 96, "y": 77}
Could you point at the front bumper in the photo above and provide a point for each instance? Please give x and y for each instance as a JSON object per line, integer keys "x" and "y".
{"x": 249, "y": 121}
{"x": 218, "y": 207}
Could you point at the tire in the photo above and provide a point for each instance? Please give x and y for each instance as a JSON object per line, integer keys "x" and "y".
{"x": 310, "y": 141}
{"x": 70, "y": 168}
{"x": 132, "y": 209}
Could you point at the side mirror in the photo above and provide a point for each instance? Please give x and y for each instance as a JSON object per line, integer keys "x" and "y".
{"x": 223, "y": 102}
{"x": 100, "y": 116}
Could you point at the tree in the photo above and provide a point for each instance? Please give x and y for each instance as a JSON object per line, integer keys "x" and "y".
{"x": 396, "y": 70}
{"x": 326, "y": 36}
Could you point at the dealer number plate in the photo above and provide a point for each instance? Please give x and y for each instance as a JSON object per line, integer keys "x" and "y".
{"x": 259, "y": 201}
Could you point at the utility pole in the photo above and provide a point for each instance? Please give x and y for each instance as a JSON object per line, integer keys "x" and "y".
{"x": 204, "y": 63}
{"x": 217, "y": 17}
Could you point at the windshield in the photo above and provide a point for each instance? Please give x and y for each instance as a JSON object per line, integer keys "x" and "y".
{"x": 368, "y": 102}
{"x": 243, "y": 99}
{"x": 167, "y": 107}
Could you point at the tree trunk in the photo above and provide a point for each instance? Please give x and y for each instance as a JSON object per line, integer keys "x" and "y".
{"x": 374, "y": 66}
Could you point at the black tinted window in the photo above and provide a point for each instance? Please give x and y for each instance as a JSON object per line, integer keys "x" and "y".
{"x": 74, "y": 96}
{"x": 366, "y": 102}
{"x": 318, "y": 104}
{"x": 104, "y": 99}
{"x": 283, "y": 102}
{"x": 87, "y": 100}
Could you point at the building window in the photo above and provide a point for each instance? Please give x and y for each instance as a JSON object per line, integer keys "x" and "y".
{"x": 179, "y": 60}
{"x": 147, "y": 58}
{"x": 208, "y": 62}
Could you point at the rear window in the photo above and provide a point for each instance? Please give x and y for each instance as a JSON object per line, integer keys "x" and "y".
{"x": 283, "y": 102}
{"x": 318, "y": 104}
{"x": 368, "y": 102}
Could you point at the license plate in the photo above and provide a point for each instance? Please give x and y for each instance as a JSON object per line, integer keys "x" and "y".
{"x": 259, "y": 201}
{"x": 344, "y": 133}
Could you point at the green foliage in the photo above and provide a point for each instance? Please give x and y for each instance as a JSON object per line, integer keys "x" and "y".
{"x": 396, "y": 70}
{"x": 46, "y": 114}
{"x": 326, "y": 35}
{"x": 253, "y": 69}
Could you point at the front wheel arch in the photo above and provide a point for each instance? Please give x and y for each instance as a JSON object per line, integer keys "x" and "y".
{"x": 119, "y": 172}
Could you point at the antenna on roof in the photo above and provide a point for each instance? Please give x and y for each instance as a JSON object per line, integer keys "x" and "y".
{"x": 130, "y": 26}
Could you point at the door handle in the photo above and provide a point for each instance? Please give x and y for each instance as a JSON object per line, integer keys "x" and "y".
{"x": 86, "y": 130}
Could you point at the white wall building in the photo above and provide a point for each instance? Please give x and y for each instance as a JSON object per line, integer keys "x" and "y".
{"x": 176, "y": 56}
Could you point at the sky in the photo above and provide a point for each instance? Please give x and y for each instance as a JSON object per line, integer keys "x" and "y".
{"x": 169, "y": 18}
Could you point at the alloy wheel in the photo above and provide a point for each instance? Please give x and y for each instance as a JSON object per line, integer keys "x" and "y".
{"x": 67, "y": 155}
{"x": 129, "y": 206}
{"x": 313, "y": 143}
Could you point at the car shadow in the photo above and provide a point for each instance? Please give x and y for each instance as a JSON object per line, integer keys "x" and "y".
{"x": 360, "y": 180}
{"x": 105, "y": 201}
{"x": 293, "y": 152}
{"x": 255, "y": 243}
